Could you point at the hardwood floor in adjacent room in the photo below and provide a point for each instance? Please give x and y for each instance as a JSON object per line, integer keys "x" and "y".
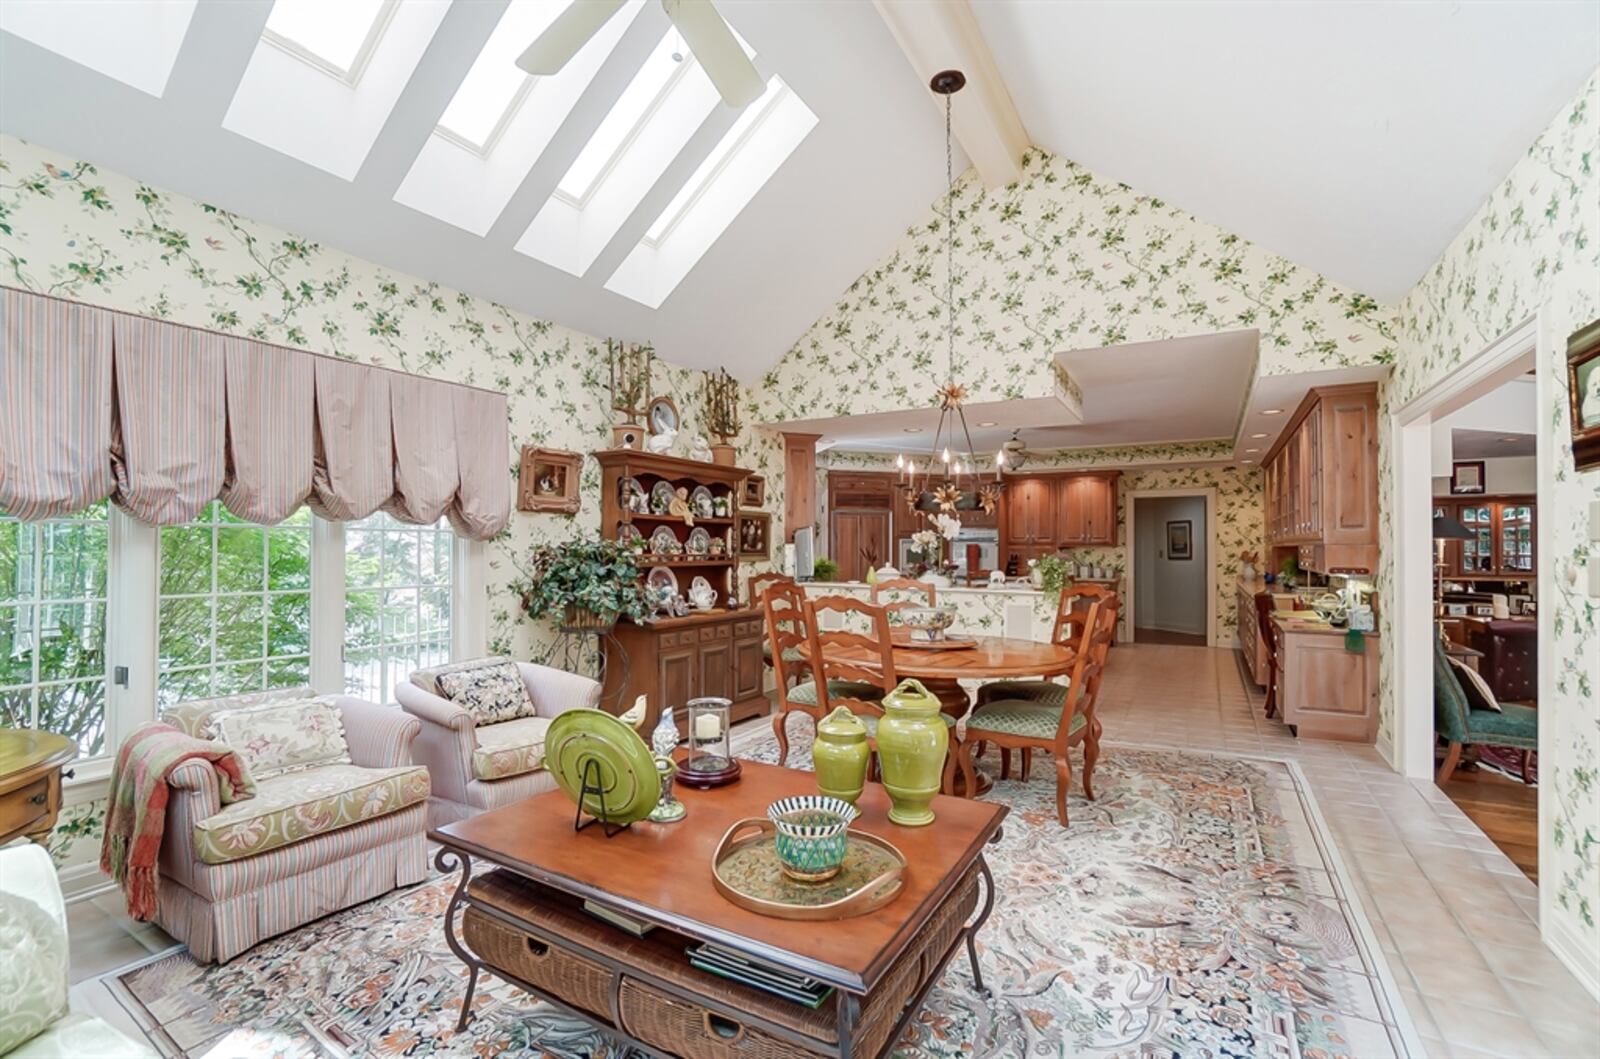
{"x": 1162, "y": 636}
{"x": 1505, "y": 809}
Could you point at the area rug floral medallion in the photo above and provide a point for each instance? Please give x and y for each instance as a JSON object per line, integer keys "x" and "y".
{"x": 1195, "y": 909}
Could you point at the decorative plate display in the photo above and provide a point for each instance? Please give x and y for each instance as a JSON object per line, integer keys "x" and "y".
{"x": 628, "y": 533}
{"x": 664, "y": 542}
{"x": 661, "y": 495}
{"x": 701, "y": 503}
{"x": 617, "y": 760}
{"x": 699, "y": 541}
{"x": 631, "y": 495}
{"x": 662, "y": 577}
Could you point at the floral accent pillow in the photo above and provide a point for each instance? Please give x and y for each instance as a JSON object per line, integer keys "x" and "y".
{"x": 492, "y": 693}
{"x": 283, "y": 737}
{"x": 33, "y": 975}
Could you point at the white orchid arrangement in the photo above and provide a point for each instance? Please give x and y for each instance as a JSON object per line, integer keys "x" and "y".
{"x": 927, "y": 541}
{"x": 948, "y": 526}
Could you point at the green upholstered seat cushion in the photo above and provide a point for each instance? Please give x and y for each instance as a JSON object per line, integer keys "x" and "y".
{"x": 1019, "y": 717}
{"x": 1515, "y": 725}
{"x": 1044, "y": 691}
{"x": 806, "y": 694}
{"x": 790, "y": 654}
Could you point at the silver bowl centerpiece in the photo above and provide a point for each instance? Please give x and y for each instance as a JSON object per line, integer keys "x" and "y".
{"x": 928, "y": 623}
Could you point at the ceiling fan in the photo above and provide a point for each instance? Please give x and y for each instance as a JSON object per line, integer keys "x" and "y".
{"x": 710, "y": 39}
{"x": 1017, "y": 453}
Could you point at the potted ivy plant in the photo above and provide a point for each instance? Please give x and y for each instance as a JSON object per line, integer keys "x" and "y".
{"x": 584, "y": 583}
{"x": 1053, "y": 574}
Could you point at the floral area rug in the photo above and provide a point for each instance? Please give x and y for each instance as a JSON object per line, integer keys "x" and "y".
{"x": 1195, "y": 909}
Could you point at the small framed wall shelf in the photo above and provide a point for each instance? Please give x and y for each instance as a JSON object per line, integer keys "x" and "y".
{"x": 548, "y": 480}
{"x": 755, "y": 535}
{"x": 755, "y": 491}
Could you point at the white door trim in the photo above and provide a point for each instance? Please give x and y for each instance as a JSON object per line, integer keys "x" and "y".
{"x": 1411, "y": 480}
{"x": 1209, "y": 494}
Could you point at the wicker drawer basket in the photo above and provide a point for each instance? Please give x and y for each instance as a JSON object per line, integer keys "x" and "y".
{"x": 580, "y": 982}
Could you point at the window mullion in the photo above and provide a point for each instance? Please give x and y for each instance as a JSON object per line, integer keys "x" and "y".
{"x": 132, "y": 587}
{"x": 327, "y": 605}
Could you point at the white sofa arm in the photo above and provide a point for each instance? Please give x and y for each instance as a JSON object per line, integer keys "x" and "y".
{"x": 446, "y": 740}
{"x": 27, "y": 871}
{"x": 195, "y": 796}
{"x": 379, "y": 737}
{"x": 555, "y": 691}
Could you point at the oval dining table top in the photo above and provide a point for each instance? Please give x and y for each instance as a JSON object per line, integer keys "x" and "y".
{"x": 989, "y": 657}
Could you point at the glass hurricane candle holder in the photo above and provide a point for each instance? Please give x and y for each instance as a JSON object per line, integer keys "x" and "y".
{"x": 710, "y": 761}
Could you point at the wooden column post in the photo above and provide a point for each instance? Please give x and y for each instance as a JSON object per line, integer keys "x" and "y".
{"x": 799, "y": 482}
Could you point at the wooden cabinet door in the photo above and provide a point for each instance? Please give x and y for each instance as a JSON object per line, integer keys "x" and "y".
{"x": 1031, "y": 516}
{"x": 1514, "y": 539}
{"x": 1349, "y": 439}
{"x": 1071, "y": 517}
{"x": 748, "y": 668}
{"x": 676, "y": 676}
{"x": 855, "y": 532}
{"x": 1477, "y": 554}
{"x": 1098, "y": 501}
{"x": 716, "y": 669}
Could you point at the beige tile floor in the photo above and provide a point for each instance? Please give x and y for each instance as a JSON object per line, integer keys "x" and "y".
{"x": 1456, "y": 919}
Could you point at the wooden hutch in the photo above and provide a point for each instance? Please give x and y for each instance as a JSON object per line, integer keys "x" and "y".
{"x": 715, "y": 652}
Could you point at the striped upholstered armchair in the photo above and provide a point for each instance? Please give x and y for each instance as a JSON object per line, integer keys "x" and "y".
{"x": 317, "y": 837}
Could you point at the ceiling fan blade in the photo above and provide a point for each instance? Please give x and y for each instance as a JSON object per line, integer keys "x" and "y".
{"x": 717, "y": 50}
{"x": 562, "y": 39}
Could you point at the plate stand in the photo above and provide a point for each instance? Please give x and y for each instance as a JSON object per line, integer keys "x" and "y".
{"x": 591, "y": 785}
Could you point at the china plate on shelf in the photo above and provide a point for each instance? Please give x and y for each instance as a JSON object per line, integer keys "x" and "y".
{"x": 664, "y": 542}
{"x": 700, "y": 502}
{"x": 661, "y": 495}
{"x": 699, "y": 541}
{"x": 628, "y": 533}
{"x": 662, "y": 577}
{"x": 627, "y": 489}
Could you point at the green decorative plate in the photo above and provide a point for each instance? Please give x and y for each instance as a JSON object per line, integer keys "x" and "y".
{"x": 624, "y": 765}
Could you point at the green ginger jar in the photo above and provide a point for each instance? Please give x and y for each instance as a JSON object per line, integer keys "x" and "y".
{"x": 841, "y": 754}
{"x": 912, "y": 742}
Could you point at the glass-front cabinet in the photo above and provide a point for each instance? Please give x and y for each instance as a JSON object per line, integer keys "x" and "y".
{"x": 1502, "y": 537}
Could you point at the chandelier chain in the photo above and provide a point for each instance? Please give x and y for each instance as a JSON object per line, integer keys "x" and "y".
{"x": 950, "y": 246}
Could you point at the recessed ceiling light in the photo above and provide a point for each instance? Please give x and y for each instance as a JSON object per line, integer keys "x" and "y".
{"x": 1272, "y": 411}
{"x": 1252, "y": 450}
{"x": 1258, "y": 436}
{"x": 912, "y": 430}
{"x": 1247, "y": 461}
{"x": 990, "y": 423}
{"x": 1511, "y": 440}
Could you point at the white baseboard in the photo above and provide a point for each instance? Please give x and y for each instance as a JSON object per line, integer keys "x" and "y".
{"x": 1584, "y": 963}
{"x": 1385, "y": 748}
{"x": 83, "y": 881}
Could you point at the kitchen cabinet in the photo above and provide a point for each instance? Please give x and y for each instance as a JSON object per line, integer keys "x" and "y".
{"x": 715, "y": 653}
{"x": 854, "y": 536}
{"x": 1029, "y": 508}
{"x": 1321, "y": 481}
{"x": 1252, "y": 642}
{"x": 1086, "y": 510}
{"x": 1325, "y": 690}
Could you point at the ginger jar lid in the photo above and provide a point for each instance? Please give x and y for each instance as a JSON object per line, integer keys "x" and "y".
{"x": 910, "y": 694}
{"x": 841, "y": 726}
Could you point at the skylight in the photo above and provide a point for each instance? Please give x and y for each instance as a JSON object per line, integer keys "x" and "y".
{"x": 134, "y": 41}
{"x": 749, "y": 153}
{"x": 494, "y": 88}
{"x": 337, "y": 38}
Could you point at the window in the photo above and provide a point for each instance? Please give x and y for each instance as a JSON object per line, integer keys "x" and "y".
{"x": 234, "y": 606}
{"x": 53, "y": 626}
{"x": 397, "y": 602}
{"x": 336, "y": 38}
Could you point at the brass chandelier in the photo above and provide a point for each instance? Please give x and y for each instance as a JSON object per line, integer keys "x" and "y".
{"x": 947, "y": 481}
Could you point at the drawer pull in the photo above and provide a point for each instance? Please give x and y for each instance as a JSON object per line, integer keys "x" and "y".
{"x": 37, "y": 799}
{"x": 537, "y": 947}
{"x": 723, "y": 1029}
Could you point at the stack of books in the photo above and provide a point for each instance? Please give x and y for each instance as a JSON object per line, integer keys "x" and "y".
{"x": 621, "y": 920}
{"x": 780, "y": 983}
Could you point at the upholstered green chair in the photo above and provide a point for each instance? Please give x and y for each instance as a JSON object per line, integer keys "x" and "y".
{"x": 1071, "y": 629}
{"x": 1460, "y": 725}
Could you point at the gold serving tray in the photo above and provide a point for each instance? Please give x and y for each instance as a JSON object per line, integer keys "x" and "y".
{"x": 745, "y": 870}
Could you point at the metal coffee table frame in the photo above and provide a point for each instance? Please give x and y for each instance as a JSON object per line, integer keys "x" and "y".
{"x": 451, "y": 858}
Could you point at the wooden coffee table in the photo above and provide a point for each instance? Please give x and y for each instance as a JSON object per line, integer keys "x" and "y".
{"x": 527, "y": 918}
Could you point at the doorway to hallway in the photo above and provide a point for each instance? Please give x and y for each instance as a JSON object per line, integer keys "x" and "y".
{"x": 1172, "y": 584}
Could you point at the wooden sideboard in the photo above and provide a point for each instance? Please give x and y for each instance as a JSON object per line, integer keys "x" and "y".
{"x": 1321, "y": 482}
{"x": 674, "y": 660}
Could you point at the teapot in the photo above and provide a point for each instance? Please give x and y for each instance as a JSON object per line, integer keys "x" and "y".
{"x": 702, "y": 595}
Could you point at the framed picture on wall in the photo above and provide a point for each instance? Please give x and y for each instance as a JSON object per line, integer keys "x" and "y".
{"x": 1583, "y": 389}
{"x": 755, "y": 529}
{"x": 1466, "y": 476}
{"x": 755, "y": 491}
{"x": 1180, "y": 539}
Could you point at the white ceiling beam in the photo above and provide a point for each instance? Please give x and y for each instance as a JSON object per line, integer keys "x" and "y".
{"x": 945, "y": 36}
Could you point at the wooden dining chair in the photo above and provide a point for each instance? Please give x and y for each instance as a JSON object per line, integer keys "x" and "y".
{"x": 759, "y": 584}
{"x": 788, "y": 639}
{"x": 1272, "y": 636}
{"x": 1027, "y": 725}
{"x": 894, "y": 586}
{"x": 861, "y": 680}
{"x": 758, "y": 588}
{"x": 1070, "y": 629}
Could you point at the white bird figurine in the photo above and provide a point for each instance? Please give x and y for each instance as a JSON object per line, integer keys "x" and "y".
{"x": 635, "y": 716}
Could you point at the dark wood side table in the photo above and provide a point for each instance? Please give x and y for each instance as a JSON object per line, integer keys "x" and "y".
{"x": 31, "y": 766}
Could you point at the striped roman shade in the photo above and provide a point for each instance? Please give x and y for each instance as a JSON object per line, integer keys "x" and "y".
{"x": 163, "y": 418}
{"x": 55, "y": 406}
{"x": 167, "y": 447}
{"x": 353, "y": 470}
{"x": 425, "y": 472}
{"x": 482, "y": 505}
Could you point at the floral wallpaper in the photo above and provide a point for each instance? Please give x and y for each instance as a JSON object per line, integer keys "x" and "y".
{"x": 71, "y": 229}
{"x": 1534, "y": 246}
{"x": 1240, "y": 519}
{"x": 1061, "y": 260}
